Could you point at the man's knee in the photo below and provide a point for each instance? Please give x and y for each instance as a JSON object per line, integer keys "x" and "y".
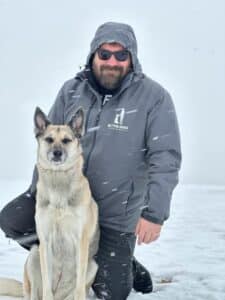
{"x": 108, "y": 287}
{"x": 114, "y": 279}
{"x": 4, "y": 222}
{"x": 103, "y": 292}
{"x": 17, "y": 220}
{"x": 113, "y": 283}
{"x": 10, "y": 232}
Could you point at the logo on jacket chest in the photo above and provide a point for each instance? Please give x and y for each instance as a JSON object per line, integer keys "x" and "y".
{"x": 118, "y": 123}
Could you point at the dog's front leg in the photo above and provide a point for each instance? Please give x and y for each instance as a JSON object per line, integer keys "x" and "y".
{"x": 46, "y": 268}
{"x": 81, "y": 268}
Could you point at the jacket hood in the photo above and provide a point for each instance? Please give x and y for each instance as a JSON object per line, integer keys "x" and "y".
{"x": 113, "y": 32}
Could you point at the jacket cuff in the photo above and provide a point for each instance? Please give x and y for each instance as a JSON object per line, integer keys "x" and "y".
{"x": 147, "y": 216}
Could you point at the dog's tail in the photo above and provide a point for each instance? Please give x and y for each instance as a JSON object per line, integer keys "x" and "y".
{"x": 11, "y": 287}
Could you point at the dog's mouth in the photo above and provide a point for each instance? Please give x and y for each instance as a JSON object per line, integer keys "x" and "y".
{"x": 57, "y": 161}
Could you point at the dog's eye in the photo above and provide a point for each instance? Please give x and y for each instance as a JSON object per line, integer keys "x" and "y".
{"x": 66, "y": 141}
{"x": 49, "y": 140}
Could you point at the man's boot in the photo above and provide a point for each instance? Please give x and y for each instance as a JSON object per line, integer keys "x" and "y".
{"x": 142, "y": 278}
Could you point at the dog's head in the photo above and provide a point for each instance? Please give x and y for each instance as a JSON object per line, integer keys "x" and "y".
{"x": 58, "y": 144}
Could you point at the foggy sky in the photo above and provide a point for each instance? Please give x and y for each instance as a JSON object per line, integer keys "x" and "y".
{"x": 181, "y": 45}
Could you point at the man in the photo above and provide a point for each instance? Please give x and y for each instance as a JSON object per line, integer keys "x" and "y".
{"x": 132, "y": 157}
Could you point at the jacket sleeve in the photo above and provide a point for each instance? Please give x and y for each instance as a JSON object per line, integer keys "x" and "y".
{"x": 56, "y": 116}
{"x": 163, "y": 158}
{"x": 56, "y": 113}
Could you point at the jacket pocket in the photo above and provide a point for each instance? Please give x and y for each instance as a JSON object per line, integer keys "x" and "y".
{"x": 135, "y": 201}
{"x": 114, "y": 202}
{"x": 130, "y": 197}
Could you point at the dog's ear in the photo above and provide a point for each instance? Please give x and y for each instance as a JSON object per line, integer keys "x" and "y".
{"x": 77, "y": 123}
{"x": 40, "y": 122}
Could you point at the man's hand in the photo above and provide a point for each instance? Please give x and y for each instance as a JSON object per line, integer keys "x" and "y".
{"x": 147, "y": 231}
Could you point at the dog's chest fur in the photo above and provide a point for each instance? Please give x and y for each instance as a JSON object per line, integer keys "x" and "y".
{"x": 60, "y": 217}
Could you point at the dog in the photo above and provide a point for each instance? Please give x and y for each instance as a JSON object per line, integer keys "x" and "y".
{"x": 62, "y": 266}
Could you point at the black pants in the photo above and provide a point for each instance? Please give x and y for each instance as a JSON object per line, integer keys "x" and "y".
{"x": 114, "y": 279}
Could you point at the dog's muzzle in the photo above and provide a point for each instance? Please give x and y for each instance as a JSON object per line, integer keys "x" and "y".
{"x": 57, "y": 155}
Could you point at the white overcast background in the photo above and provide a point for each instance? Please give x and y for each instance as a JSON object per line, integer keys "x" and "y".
{"x": 181, "y": 45}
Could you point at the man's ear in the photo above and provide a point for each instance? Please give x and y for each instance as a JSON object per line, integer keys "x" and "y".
{"x": 40, "y": 122}
{"x": 77, "y": 123}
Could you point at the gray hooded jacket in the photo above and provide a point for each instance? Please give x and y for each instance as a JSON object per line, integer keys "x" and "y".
{"x": 131, "y": 144}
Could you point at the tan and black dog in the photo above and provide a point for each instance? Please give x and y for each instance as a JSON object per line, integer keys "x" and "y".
{"x": 62, "y": 266}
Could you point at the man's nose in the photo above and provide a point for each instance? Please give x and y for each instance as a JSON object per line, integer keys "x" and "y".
{"x": 112, "y": 61}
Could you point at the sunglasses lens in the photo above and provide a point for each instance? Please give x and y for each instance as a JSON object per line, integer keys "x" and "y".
{"x": 121, "y": 55}
{"x": 104, "y": 54}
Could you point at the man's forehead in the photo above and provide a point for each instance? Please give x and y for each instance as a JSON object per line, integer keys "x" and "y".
{"x": 112, "y": 45}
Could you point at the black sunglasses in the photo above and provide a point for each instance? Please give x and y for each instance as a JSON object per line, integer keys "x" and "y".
{"x": 121, "y": 55}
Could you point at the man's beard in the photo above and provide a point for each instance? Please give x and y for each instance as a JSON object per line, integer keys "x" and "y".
{"x": 109, "y": 77}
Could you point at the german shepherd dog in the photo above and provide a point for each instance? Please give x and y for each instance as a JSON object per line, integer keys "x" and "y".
{"x": 62, "y": 266}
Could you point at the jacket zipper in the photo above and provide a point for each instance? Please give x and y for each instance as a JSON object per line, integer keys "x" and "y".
{"x": 95, "y": 133}
{"x": 88, "y": 115}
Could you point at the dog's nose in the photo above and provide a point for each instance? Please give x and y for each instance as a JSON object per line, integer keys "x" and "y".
{"x": 57, "y": 153}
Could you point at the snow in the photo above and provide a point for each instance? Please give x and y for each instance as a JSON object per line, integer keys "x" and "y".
{"x": 91, "y": 129}
{"x": 186, "y": 262}
{"x": 155, "y": 138}
{"x": 131, "y": 111}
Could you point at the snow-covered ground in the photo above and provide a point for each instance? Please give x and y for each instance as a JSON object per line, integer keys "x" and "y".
{"x": 186, "y": 263}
